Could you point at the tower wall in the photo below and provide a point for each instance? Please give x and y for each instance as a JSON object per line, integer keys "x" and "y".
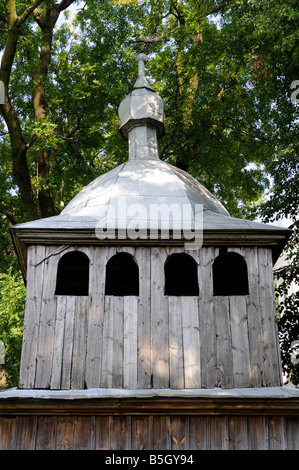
{"x": 151, "y": 340}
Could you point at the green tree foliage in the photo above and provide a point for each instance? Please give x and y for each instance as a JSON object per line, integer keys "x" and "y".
{"x": 283, "y": 203}
{"x": 224, "y": 69}
{"x": 12, "y": 302}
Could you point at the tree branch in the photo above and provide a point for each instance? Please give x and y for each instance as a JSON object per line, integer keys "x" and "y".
{"x": 64, "y": 5}
{"x": 8, "y": 214}
{"x": 28, "y": 11}
{"x": 219, "y": 7}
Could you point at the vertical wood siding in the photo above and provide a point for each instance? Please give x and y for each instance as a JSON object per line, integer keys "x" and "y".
{"x": 150, "y": 340}
{"x": 152, "y": 432}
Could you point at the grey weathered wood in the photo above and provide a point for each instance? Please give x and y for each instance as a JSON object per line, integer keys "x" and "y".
{"x": 176, "y": 355}
{"x": 206, "y": 318}
{"x": 107, "y": 356}
{"x": 47, "y": 323}
{"x": 240, "y": 342}
{"x": 118, "y": 343}
{"x": 191, "y": 342}
{"x": 68, "y": 342}
{"x": 58, "y": 342}
{"x": 144, "y": 318}
{"x": 95, "y": 317}
{"x": 32, "y": 316}
{"x": 145, "y": 341}
{"x": 272, "y": 364}
{"x": 223, "y": 342}
{"x": 130, "y": 342}
{"x": 159, "y": 320}
{"x": 79, "y": 343}
{"x": 254, "y": 315}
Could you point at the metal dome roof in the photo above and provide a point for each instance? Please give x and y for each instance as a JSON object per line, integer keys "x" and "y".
{"x": 144, "y": 193}
{"x": 160, "y": 193}
{"x": 145, "y": 182}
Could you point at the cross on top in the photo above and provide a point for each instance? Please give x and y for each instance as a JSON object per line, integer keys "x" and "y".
{"x": 147, "y": 43}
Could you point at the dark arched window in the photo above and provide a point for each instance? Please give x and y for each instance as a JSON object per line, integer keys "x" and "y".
{"x": 181, "y": 275}
{"x": 73, "y": 274}
{"x": 230, "y": 275}
{"x": 122, "y": 275}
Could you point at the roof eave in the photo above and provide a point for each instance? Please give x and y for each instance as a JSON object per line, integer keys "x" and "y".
{"x": 22, "y": 237}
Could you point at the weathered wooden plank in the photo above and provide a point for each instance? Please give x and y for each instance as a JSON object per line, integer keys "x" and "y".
{"x": 8, "y": 432}
{"x": 161, "y": 433}
{"x": 121, "y": 433}
{"x": 94, "y": 348}
{"x": 47, "y": 322}
{"x": 65, "y": 433}
{"x": 240, "y": 341}
{"x": 258, "y": 436}
{"x": 130, "y": 342}
{"x": 272, "y": 366}
{"x": 159, "y": 320}
{"x": 26, "y": 434}
{"x": 223, "y": 342}
{"x": 292, "y": 433}
{"x": 60, "y": 305}
{"x": 238, "y": 433}
{"x": 199, "y": 432}
{"x": 118, "y": 343}
{"x": 277, "y": 437}
{"x": 46, "y": 433}
{"x": 254, "y": 317}
{"x": 142, "y": 432}
{"x": 179, "y": 427}
{"x": 191, "y": 342}
{"x": 107, "y": 356}
{"x": 144, "y": 318}
{"x": 253, "y": 313}
{"x": 84, "y": 433}
{"x": 206, "y": 318}
{"x": 176, "y": 356}
{"x": 219, "y": 433}
{"x": 35, "y": 274}
{"x": 79, "y": 345}
{"x": 58, "y": 342}
{"x": 103, "y": 425}
{"x": 68, "y": 342}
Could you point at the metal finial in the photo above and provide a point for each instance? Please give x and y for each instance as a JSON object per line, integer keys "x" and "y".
{"x": 141, "y": 59}
{"x": 141, "y": 80}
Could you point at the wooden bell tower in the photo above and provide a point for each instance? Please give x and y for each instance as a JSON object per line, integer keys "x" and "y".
{"x": 150, "y": 317}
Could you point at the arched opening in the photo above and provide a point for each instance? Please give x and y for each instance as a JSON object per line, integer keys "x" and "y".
{"x": 73, "y": 274}
{"x": 230, "y": 275}
{"x": 122, "y": 275}
{"x": 181, "y": 276}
